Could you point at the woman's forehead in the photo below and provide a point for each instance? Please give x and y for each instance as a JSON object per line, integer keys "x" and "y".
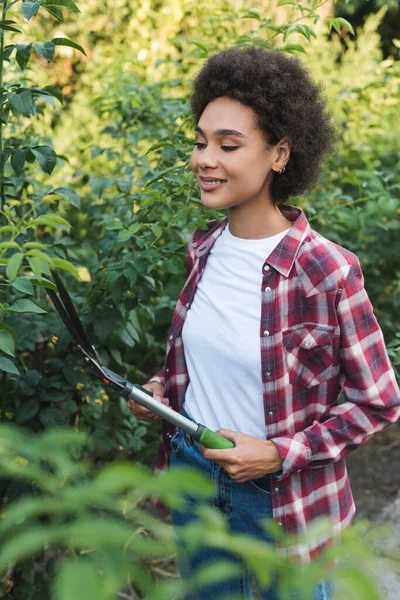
{"x": 227, "y": 114}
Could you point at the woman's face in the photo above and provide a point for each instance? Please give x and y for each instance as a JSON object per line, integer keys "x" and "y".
{"x": 231, "y": 160}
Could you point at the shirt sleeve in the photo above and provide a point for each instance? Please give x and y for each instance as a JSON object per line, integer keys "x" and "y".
{"x": 367, "y": 378}
{"x": 159, "y": 377}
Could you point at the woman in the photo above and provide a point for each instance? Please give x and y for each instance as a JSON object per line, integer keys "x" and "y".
{"x": 273, "y": 321}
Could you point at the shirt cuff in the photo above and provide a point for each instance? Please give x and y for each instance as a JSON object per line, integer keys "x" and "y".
{"x": 294, "y": 451}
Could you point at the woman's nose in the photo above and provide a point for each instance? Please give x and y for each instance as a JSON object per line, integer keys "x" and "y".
{"x": 207, "y": 157}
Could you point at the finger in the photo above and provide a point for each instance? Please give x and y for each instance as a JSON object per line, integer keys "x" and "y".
{"x": 141, "y": 413}
{"x": 233, "y": 436}
{"x": 227, "y": 455}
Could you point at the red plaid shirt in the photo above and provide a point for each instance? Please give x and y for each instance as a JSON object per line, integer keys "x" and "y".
{"x": 318, "y": 336}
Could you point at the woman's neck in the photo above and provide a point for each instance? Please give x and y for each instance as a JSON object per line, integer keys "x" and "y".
{"x": 255, "y": 223}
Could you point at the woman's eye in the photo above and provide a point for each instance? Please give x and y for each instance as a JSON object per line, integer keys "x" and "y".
{"x": 202, "y": 145}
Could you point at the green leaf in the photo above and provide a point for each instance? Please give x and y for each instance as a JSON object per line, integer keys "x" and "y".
{"x": 18, "y": 160}
{"x": 8, "y": 366}
{"x": 345, "y": 24}
{"x": 16, "y": 102}
{"x": 23, "y": 55}
{"x": 10, "y": 330}
{"x": 68, "y": 4}
{"x": 28, "y": 102}
{"x": 25, "y": 306}
{"x": 41, "y": 255}
{"x": 27, "y": 411}
{"x": 333, "y": 23}
{"x": 13, "y": 266}
{"x": 4, "y": 25}
{"x": 396, "y": 43}
{"x": 46, "y": 158}
{"x": 8, "y": 50}
{"x": 9, "y": 245}
{"x": 49, "y": 219}
{"x": 36, "y": 245}
{"x": 55, "y": 91}
{"x": 156, "y": 229}
{"x": 124, "y": 235}
{"x": 24, "y": 285}
{"x": 71, "y": 195}
{"x": 79, "y": 580}
{"x": 7, "y": 343}
{"x": 43, "y": 282}
{"x": 293, "y": 48}
{"x": 22, "y": 102}
{"x": 36, "y": 266}
{"x": 56, "y": 12}
{"x": 30, "y": 9}
{"x": 45, "y": 50}
{"x": 66, "y": 265}
{"x": 59, "y": 41}
{"x": 252, "y": 13}
{"x": 4, "y": 156}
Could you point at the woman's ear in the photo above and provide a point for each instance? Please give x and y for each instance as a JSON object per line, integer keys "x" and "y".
{"x": 282, "y": 155}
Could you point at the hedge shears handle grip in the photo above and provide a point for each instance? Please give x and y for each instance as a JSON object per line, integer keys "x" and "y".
{"x": 206, "y": 437}
{"x": 211, "y": 439}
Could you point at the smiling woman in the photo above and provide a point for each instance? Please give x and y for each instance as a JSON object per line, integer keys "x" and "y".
{"x": 235, "y": 168}
{"x": 271, "y": 325}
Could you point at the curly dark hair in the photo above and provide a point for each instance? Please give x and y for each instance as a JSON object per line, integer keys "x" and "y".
{"x": 287, "y": 103}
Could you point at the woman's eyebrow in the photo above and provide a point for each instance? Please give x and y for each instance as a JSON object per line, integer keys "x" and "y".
{"x": 222, "y": 132}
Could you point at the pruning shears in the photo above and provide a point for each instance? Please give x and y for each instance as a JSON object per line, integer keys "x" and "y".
{"x": 131, "y": 391}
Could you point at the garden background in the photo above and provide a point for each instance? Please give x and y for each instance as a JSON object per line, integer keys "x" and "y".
{"x": 95, "y": 136}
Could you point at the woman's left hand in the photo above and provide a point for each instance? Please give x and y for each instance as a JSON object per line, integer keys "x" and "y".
{"x": 250, "y": 459}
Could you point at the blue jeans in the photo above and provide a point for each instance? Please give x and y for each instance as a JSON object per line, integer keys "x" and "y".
{"x": 244, "y": 505}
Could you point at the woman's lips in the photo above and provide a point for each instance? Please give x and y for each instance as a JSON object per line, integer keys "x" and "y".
{"x": 210, "y": 186}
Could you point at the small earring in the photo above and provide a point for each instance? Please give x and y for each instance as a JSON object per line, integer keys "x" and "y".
{"x": 282, "y": 170}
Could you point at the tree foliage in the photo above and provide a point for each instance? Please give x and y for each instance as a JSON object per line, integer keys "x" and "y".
{"x": 95, "y": 136}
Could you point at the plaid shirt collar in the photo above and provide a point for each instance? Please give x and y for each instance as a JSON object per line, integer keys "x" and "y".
{"x": 283, "y": 256}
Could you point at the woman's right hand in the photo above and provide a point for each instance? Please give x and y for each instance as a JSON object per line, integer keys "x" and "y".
{"x": 142, "y": 413}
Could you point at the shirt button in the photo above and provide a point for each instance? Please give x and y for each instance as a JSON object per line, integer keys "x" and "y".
{"x": 276, "y": 489}
{"x": 270, "y": 412}
{"x": 266, "y": 268}
{"x": 280, "y": 523}
{"x": 266, "y": 332}
{"x": 307, "y": 344}
{"x": 268, "y": 373}
{"x": 187, "y": 305}
{"x": 171, "y": 337}
{"x": 167, "y": 370}
{"x": 267, "y": 289}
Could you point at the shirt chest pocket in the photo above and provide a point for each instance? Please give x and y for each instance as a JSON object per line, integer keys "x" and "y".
{"x": 309, "y": 354}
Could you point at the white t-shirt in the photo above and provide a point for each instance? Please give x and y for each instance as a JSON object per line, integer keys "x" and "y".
{"x": 221, "y": 337}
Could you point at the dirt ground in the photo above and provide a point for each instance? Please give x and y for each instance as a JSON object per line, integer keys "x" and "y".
{"x": 374, "y": 471}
